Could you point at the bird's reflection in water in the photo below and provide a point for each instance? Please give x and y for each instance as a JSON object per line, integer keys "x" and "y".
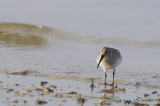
{"x": 107, "y": 92}
{"x": 108, "y": 89}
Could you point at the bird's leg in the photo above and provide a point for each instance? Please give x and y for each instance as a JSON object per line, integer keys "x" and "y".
{"x": 113, "y": 77}
{"x": 105, "y": 79}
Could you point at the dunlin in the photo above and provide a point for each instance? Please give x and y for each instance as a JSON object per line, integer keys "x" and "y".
{"x": 109, "y": 58}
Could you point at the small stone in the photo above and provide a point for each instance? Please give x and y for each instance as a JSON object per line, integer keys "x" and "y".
{"x": 155, "y": 76}
{"x": 29, "y": 91}
{"x": 16, "y": 84}
{"x": 154, "y": 92}
{"x": 81, "y": 100}
{"x": 72, "y": 92}
{"x": 43, "y": 83}
{"x": 10, "y": 90}
{"x": 40, "y": 102}
{"x": 17, "y": 93}
{"x": 47, "y": 90}
{"x": 39, "y": 89}
{"x": 15, "y": 101}
{"x": 137, "y": 84}
{"x": 53, "y": 86}
{"x": 146, "y": 95}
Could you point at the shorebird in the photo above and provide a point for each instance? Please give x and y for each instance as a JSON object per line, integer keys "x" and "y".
{"x": 109, "y": 58}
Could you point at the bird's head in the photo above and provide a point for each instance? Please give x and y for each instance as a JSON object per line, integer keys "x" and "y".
{"x": 103, "y": 52}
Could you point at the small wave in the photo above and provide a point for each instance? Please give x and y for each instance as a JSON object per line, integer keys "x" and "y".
{"x": 24, "y": 28}
{"x": 17, "y": 34}
{"x": 22, "y": 34}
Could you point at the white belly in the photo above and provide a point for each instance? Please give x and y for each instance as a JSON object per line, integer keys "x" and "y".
{"x": 106, "y": 66}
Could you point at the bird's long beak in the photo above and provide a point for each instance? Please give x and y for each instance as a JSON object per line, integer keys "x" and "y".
{"x": 102, "y": 56}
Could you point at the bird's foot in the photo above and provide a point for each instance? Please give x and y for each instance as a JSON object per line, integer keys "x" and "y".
{"x": 105, "y": 83}
{"x": 112, "y": 84}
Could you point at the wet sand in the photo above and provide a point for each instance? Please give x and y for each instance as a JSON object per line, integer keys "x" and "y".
{"x": 31, "y": 88}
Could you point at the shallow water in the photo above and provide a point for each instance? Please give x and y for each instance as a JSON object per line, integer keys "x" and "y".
{"x": 64, "y": 58}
